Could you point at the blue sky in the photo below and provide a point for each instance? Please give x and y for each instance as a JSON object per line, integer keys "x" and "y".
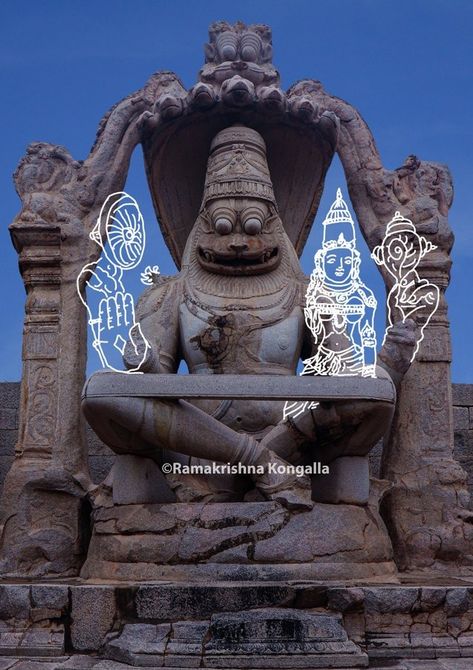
{"x": 406, "y": 65}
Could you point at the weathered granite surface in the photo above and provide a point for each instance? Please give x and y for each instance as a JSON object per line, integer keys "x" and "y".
{"x": 101, "y": 457}
{"x": 226, "y": 625}
{"x": 237, "y": 541}
{"x": 89, "y": 662}
{"x": 48, "y": 492}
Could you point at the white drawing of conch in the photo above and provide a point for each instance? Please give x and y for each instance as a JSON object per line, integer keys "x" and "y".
{"x": 411, "y": 296}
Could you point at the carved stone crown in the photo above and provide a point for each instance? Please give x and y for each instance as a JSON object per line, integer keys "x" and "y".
{"x": 237, "y": 166}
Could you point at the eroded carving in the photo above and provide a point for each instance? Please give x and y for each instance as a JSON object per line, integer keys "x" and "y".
{"x": 236, "y": 306}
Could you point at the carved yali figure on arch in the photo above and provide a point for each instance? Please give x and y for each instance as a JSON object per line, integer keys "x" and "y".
{"x": 237, "y": 307}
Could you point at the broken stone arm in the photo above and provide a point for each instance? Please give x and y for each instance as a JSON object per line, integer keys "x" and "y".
{"x": 159, "y": 321}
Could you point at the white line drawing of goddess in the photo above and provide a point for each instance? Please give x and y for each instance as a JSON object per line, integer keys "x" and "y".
{"x": 411, "y": 296}
{"x": 120, "y": 232}
{"x": 340, "y": 308}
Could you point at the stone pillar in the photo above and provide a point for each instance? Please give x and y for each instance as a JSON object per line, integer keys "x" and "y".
{"x": 44, "y": 520}
{"x": 44, "y": 489}
{"x": 427, "y": 509}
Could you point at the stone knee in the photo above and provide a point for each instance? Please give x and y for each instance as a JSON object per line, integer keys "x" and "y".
{"x": 116, "y": 421}
{"x": 364, "y": 428}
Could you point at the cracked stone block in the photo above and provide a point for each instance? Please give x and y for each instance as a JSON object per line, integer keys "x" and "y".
{"x": 174, "y": 601}
{"x": 431, "y": 598}
{"x": 461, "y": 418}
{"x": 92, "y": 616}
{"x": 55, "y": 597}
{"x": 190, "y": 631}
{"x": 394, "y": 599}
{"x": 14, "y": 601}
{"x": 6, "y": 663}
{"x": 134, "y": 541}
{"x": 283, "y": 638}
{"x": 345, "y": 600}
{"x": 328, "y": 531}
{"x": 200, "y": 542}
{"x": 145, "y": 519}
{"x": 139, "y": 548}
{"x": 33, "y": 641}
{"x": 237, "y": 554}
{"x": 99, "y": 467}
{"x": 457, "y": 601}
{"x": 139, "y": 644}
{"x": 185, "y": 647}
{"x": 238, "y": 514}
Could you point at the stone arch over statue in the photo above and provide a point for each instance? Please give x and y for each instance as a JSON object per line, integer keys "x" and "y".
{"x": 302, "y": 128}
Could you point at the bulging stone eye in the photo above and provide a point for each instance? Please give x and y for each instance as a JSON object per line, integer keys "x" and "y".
{"x": 227, "y": 43}
{"x": 253, "y": 226}
{"x": 223, "y": 226}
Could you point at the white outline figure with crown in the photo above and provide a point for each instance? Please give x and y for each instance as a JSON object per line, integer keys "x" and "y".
{"x": 340, "y": 308}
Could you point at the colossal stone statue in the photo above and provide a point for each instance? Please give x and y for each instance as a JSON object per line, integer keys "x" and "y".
{"x": 236, "y": 168}
{"x": 153, "y": 566}
{"x": 237, "y": 307}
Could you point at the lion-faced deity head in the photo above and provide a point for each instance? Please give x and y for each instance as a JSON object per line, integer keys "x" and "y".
{"x": 238, "y": 231}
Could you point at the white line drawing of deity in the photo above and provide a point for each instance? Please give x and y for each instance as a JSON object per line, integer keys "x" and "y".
{"x": 120, "y": 232}
{"x": 411, "y": 297}
{"x": 340, "y": 309}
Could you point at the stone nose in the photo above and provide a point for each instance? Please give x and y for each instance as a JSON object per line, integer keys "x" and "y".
{"x": 238, "y": 246}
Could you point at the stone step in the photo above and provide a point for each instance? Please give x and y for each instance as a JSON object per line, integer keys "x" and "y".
{"x": 237, "y": 625}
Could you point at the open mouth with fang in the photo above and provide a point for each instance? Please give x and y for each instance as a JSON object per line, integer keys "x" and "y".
{"x": 239, "y": 262}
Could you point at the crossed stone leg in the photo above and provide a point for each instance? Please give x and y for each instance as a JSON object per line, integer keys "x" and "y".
{"x": 339, "y": 434}
{"x": 152, "y": 427}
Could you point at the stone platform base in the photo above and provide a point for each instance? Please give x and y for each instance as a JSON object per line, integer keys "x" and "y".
{"x": 236, "y": 625}
{"x": 94, "y": 663}
{"x": 238, "y": 541}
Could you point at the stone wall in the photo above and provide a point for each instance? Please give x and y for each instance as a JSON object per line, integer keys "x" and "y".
{"x": 463, "y": 421}
{"x": 101, "y": 458}
{"x": 235, "y": 625}
{"x": 9, "y": 404}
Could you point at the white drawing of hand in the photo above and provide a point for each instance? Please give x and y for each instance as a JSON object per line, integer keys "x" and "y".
{"x": 117, "y": 325}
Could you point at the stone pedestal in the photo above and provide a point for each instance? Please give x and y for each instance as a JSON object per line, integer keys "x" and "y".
{"x": 238, "y": 541}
